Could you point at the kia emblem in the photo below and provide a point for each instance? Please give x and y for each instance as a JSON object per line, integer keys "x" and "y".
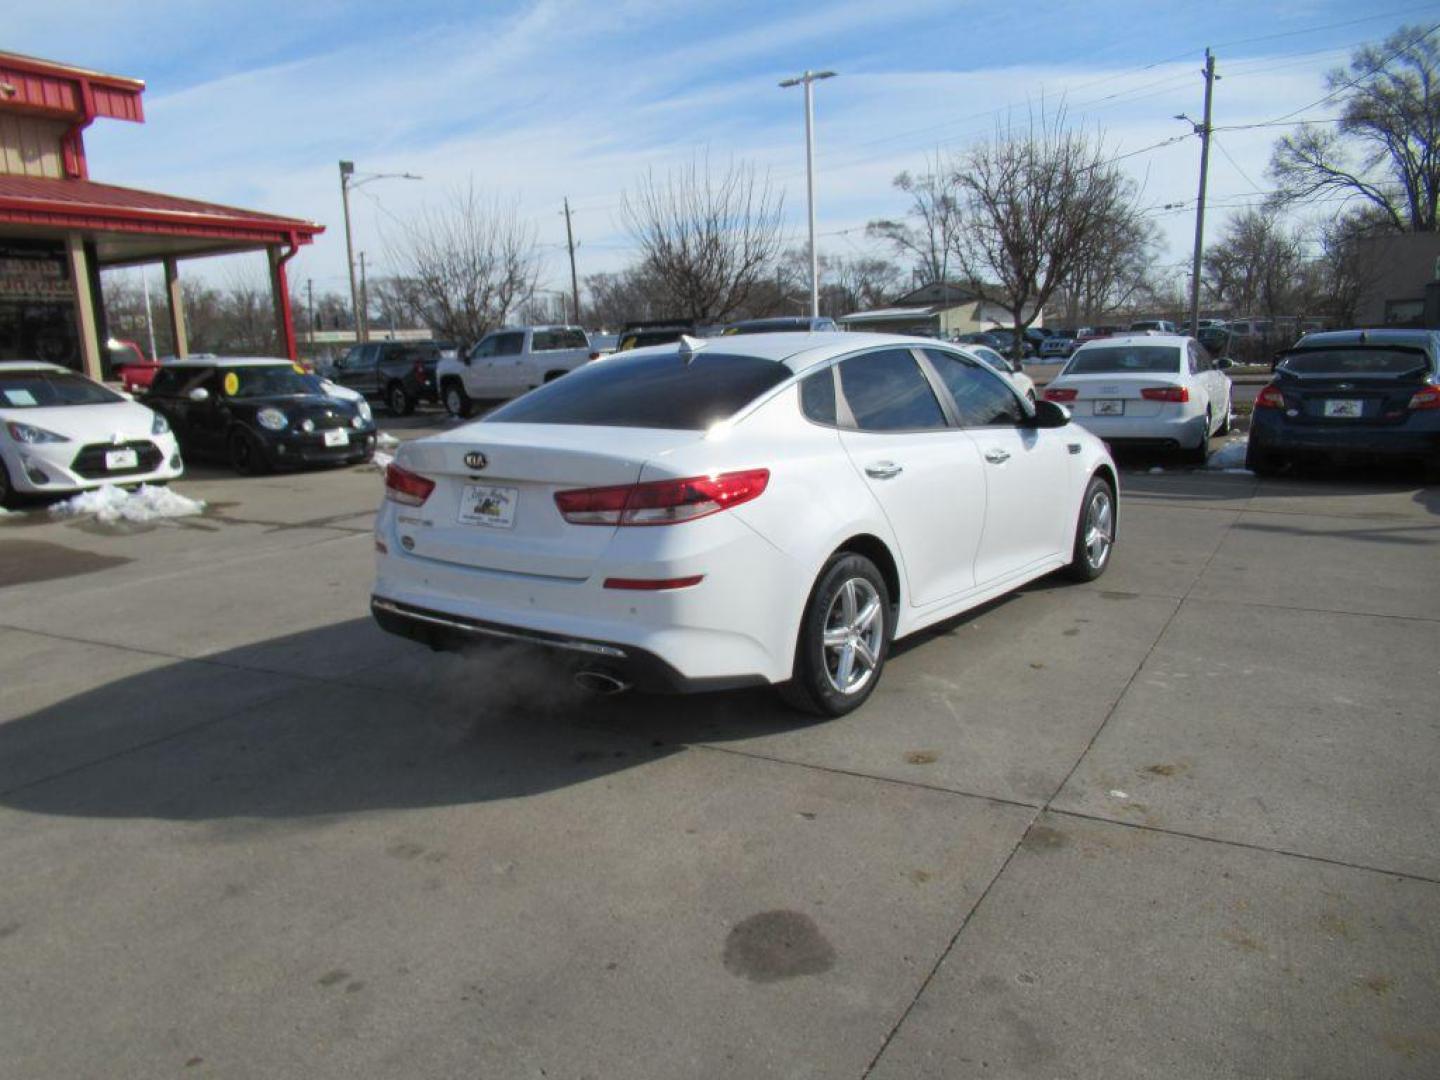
{"x": 476, "y": 460}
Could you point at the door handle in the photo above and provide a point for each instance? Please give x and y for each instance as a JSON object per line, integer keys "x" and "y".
{"x": 996, "y": 456}
{"x": 883, "y": 470}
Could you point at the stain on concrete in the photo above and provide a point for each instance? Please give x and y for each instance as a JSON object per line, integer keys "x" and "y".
{"x": 405, "y": 849}
{"x": 1243, "y": 940}
{"x": 1074, "y": 631}
{"x": 1333, "y": 924}
{"x": 330, "y": 978}
{"x": 354, "y": 986}
{"x": 25, "y": 561}
{"x": 776, "y": 945}
{"x": 9, "y": 928}
{"x": 921, "y": 757}
{"x": 1043, "y": 838}
{"x": 1166, "y": 769}
{"x": 919, "y": 877}
{"x": 1119, "y": 596}
{"x": 190, "y": 1063}
{"x": 1379, "y": 985}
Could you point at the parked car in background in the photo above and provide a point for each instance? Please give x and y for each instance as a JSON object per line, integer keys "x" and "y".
{"x": 763, "y": 509}
{"x": 61, "y": 432}
{"x": 1058, "y": 346}
{"x": 1005, "y": 341}
{"x": 640, "y": 335}
{"x": 787, "y": 324}
{"x": 1154, "y": 326}
{"x": 1361, "y": 394}
{"x": 1161, "y": 391}
{"x": 1007, "y": 367}
{"x": 507, "y": 362}
{"x": 261, "y": 413}
{"x": 137, "y": 375}
{"x": 399, "y": 373}
{"x": 1215, "y": 339}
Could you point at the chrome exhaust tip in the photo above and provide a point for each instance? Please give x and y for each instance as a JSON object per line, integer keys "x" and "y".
{"x": 601, "y": 682}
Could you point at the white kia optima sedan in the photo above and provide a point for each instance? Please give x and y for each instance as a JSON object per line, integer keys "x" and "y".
{"x": 61, "y": 432}
{"x": 1155, "y": 390}
{"x": 739, "y": 511}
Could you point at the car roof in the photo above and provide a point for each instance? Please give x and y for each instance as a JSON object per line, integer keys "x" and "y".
{"x": 1424, "y": 339}
{"x": 33, "y": 365}
{"x": 232, "y": 361}
{"x": 1177, "y": 340}
{"x": 800, "y": 351}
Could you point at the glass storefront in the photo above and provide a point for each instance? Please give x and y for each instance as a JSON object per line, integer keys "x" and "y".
{"x": 37, "y": 303}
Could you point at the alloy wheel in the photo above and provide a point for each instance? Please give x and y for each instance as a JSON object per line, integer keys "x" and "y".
{"x": 1099, "y": 528}
{"x": 854, "y": 636}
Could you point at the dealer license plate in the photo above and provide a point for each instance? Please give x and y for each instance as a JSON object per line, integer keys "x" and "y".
{"x": 121, "y": 459}
{"x": 1109, "y": 408}
{"x": 493, "y": 507}
{"x": 337, "y": 437}
{"x": 1344, "y": 407}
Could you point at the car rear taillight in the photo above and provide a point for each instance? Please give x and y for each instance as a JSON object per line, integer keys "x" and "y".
{"x": 661, "y": 502}
{"x": 419, "y": 369}
{"x": 1060, "y": 393}
{"x": 1427, "y": 397}
{"x": 1179, "y": 394}
{"x": 405, "y": 487}
{"x": 1270, "y": 397}
{"x": 594, "y": 356}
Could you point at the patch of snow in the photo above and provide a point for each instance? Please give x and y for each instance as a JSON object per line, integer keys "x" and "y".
{"x": 1116, "y": 793}
{"x": 1154, "y": 469}
{"x": 1229, "y": 458}
{"x": 381, "y": 461}
{"x": 110, "y": 504}
{"x": 386, "y": 441}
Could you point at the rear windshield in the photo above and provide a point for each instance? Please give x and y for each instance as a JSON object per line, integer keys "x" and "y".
{"x": 1360, "y": 361}
{"x": 648, "y": 391}
{"x": 50, "y": 389}
{"x": 1119, "y": 359}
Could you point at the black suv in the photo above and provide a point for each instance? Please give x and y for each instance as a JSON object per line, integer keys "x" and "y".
{"x": 259, "y": 414}
{"x": 401, "y": 373}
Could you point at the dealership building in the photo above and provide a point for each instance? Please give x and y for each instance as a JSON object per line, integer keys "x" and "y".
{"x": 59, "y": 228}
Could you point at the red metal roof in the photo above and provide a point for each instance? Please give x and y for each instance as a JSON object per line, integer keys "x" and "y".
{"x": 84, "y": 204}
{"x": 44, "y": 86}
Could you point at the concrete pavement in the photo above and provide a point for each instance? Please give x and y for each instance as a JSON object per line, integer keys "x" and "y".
{"x": 1179, "y": 822}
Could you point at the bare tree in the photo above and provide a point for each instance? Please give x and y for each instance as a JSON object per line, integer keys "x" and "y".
{"x": 1114, "y": 270}
{"x": 708, "y": 238}
{"x": 1033, "y": 201}
{"x": 1256, "y": 266}
{"x": 928, "y": 235}
{"x": 466, "y": 265}
{"x": 1386, "y": 151}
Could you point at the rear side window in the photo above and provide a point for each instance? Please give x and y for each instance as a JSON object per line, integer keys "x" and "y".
{"x": 1122, "y": 359}
{"x": 817, "y": 397}
{"x": 886, "y": 391}
{"x": 1357, "y": 361}
{"x": 648, "y": 391}
{"x": 546, "y": 340}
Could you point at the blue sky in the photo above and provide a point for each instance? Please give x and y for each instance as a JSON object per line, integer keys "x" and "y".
{"x": 253, "y": 103}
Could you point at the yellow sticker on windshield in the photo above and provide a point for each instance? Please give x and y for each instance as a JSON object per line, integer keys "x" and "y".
{"x": 299, "y": 369}
{"x": 232, "y": 383}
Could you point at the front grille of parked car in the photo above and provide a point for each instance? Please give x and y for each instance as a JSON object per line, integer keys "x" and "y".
{"x": 90, "y": 461}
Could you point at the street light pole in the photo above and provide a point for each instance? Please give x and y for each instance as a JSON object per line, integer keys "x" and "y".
{"x": 348, "y": 181}
{"x": 807, "y": 79}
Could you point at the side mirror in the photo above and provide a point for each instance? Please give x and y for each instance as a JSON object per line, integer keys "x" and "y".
{"x": 199, "y": 394}
{"x": 1050, "y": 415}
{"x": 1224, "y": 362}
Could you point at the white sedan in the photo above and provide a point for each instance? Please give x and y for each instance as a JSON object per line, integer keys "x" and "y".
{"x": 767, "y": 509}
{"x": 1009, "y": 368}
{"x": 61, "y": 432}
{"x": 1163, "y": 391}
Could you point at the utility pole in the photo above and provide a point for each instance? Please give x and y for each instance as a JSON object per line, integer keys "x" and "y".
{"x": 570, "y": 242}
{"x": 807, "y": 79}
{"x": 347, "y": 170}
{"x": 363, "y": 330}
{"x": 1203, "y": 130}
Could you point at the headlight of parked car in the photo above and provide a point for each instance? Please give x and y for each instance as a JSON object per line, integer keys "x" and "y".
{"x": 364, "y": 409}
{"x": 159, "y": 426}
{"x": 272, "y": 419}
{"x": 28, "y": 433}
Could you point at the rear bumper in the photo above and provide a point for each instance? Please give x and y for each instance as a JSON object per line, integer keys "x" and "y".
{"x": 447, "y": 631}
{"x": 1397, "y": 443}
{"x": 1158, "y": 432}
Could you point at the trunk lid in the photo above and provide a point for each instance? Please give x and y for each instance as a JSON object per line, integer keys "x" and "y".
{"x": 1115, "y": 387}
{"x": 501, "y": 515}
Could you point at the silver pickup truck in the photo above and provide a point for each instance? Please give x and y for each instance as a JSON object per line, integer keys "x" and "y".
{"x": 505, "y": 363}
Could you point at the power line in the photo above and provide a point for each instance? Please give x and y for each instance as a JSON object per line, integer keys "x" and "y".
{"x": 1379, "y": 69}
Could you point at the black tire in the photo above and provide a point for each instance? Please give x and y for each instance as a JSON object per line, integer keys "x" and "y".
{"x": 398, "y": 400}
{"x": 814, "y": 687}
{"x": 1197, "y": 455}
{"x": 1224, "y": 428}
{"x": 551, "y": 376}
{"x": 8, "y": 495}
{"x": 1263, "y": 462}
{"x": 456, "y": 401}
{"x": 246, "y": 455}
{"x": 1089, "y": 557}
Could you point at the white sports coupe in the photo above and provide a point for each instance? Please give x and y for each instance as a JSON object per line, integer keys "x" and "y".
{"x": 738, "y": 511}
{"x": 61, "y": 432}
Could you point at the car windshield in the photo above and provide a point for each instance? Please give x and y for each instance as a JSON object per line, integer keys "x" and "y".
{"x": 1121, "y": 359}
{"x": 278, "y": 381}
{"x": 648, "y": 391}
{"x": 1354, "y": 361}
{"x": 51, "y": 389}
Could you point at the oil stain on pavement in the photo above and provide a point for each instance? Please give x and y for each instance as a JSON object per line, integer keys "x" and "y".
{"x": 775, "y": 945}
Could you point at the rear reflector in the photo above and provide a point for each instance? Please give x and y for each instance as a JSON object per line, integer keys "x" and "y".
{"x": 652, "y": 584}
{"x": 1060, "y": 393}
{"x": 1270, "y": 398}
{"x": 1427, "y": 397}
{"x": 405, "y": 487}
{"x": 1165, "y": 393}
{"x": 662, "y": 502}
